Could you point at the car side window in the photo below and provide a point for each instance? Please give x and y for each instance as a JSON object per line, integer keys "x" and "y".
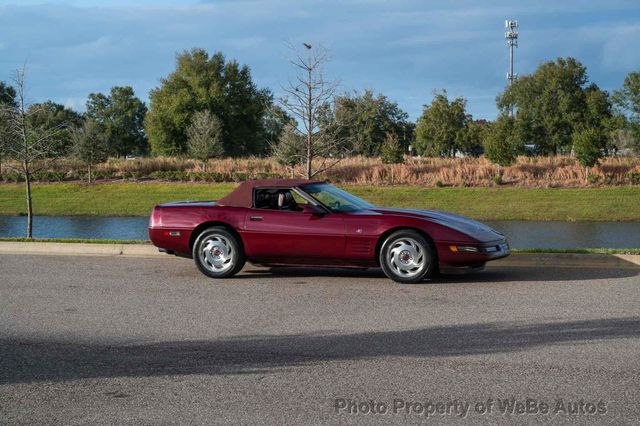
{"x": 301, "y": 202}
{"x": 277, "y": 199}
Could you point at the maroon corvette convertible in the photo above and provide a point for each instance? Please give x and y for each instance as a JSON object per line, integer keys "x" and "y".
{"x": 299, "y": 222}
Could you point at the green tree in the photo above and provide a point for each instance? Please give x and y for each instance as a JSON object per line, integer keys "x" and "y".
{"x": 501, "y": 146}
{"x": 121, "y": 115}
{"x": 392, "y": 151}
{"x": 627, "y": 103}
{"x": 627, "y": 98}
{"x": 204, "y": 137}
{"x": 600, "y": 117}
{"x": 223, "y": 87}
{"x": 588, "y": 145}
{"x": 7, "y": 94}
{"x": 289, "y": 150}
{"x": 368, "y": 119}
{"x": 470, "y": 139}
{"x": 439, "y": 131}
{"x": 57, "y": 118}
{"x": 551, "y": 103}
{"x": 90, "y": 144}
{"x": 275, "y": 120}
{"x": 7, "y": 103}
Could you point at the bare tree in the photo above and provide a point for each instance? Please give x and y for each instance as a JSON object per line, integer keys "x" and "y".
{"x": 306, "y": 99}
{"x": 90, "y": 144}
{"x": 29, "y": 146}
{"x": 204, "y": 137}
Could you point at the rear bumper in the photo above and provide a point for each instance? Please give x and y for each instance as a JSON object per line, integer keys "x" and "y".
{"x": 171, "y": 240}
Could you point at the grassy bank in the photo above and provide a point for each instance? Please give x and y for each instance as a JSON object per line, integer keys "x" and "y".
{"x": 137, "y": 199}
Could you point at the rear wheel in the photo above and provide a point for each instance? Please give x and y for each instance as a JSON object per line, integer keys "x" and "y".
{"x": 218, "y": 253}
{"x": 407, "y": 257}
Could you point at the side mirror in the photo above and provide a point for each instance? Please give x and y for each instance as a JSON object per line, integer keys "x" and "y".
{"x": 314, "y": 210}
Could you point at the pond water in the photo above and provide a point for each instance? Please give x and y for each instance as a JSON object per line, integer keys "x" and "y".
{"x": 521, "y": 234}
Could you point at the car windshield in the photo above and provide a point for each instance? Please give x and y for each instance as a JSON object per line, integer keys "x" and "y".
{"x": 336, "y": 199}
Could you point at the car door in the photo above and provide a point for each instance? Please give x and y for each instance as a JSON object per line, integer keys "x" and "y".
{"x": 294, "y": 236}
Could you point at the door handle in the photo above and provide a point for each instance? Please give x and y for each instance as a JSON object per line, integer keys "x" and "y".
{"x": 255, "y": 218}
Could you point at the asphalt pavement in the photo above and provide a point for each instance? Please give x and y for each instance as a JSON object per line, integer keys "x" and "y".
{"x": 122, "y": 340}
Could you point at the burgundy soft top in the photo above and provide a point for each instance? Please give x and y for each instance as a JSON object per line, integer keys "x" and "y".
{"x": 242, "y": 196}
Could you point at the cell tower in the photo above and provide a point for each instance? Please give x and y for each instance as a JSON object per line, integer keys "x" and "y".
{"x": 511, "y": 35}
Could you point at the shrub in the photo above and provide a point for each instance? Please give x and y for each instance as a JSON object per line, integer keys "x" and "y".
{"x": 81, "y": 174}
{"x": 588, "y": 145}
{"x": 49, "y": 176}
{"x": 239, "y": 177}
{"x": 12, "y": 177}
{"x": 392, "y": 152}
{"x": 634, "y": 178}
{"x": 261, "y": 175}
{"x": 103, "y": 174}
{"x": 130, "y": 174}
{"x": 170, "y": 175}
{"x": 610, "y": 178}
{"x": 497, "y": 179}
{"x": 501, "y": 146}
{"x": 592, "y": 179}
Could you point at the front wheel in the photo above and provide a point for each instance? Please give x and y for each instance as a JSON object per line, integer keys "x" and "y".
{"x": 218, "y": 253}
{"x": 407, "y": 257}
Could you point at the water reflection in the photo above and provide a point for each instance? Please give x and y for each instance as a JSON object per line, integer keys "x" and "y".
{"x": 556, "y": 234}
{"x": 116, "y": 228}
{"x": 521, "y": 234}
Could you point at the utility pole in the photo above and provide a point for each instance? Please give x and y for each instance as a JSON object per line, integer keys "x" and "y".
{"x": 511, "y": 35}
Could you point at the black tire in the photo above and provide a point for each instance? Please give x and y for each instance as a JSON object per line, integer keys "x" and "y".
{"x": 407, "y": 257}
{"x": 225, "y": 256}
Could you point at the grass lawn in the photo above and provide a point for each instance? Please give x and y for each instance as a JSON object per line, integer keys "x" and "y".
{"x": 137, "y": 199}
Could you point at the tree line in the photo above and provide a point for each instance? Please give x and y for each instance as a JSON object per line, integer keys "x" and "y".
{"x": 209, "y": 100}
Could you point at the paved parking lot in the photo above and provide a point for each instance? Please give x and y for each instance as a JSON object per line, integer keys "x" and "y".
{"x": 135, "y": 340}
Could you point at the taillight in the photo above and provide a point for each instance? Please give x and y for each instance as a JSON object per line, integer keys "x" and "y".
{"x": 156, "y": 218}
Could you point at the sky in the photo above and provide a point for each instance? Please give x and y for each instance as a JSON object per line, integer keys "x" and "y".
{"x": 404, "y": 49}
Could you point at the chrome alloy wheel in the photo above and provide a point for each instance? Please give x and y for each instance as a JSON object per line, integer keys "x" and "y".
{"x": 216, "y": 253}
{"x": 407, "y": 257}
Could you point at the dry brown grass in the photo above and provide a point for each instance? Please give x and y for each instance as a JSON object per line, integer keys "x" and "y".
{"x": 459, "y": 172}
{"x": 526, "y": 172}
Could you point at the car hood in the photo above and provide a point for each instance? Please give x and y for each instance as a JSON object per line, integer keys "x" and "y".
{"x": 467, "y": 226}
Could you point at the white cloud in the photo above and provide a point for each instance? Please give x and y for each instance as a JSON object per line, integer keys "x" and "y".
{"x": 403, "y": 48}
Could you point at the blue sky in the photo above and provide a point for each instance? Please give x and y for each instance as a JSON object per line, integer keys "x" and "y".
{"x": 404, "y": 49}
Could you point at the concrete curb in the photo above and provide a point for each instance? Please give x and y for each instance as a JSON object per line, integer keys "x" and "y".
{"x": 571, "y": 260}
{"x": 556, "y": 260}
{"x": 80, "y": 249}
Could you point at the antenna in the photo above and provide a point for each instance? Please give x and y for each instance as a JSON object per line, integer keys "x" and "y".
{"x": 511, "y": 35}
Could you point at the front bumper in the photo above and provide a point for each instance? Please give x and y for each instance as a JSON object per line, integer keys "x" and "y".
{"x": 496, "y": 251}
{"x": 484, "y": 252}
